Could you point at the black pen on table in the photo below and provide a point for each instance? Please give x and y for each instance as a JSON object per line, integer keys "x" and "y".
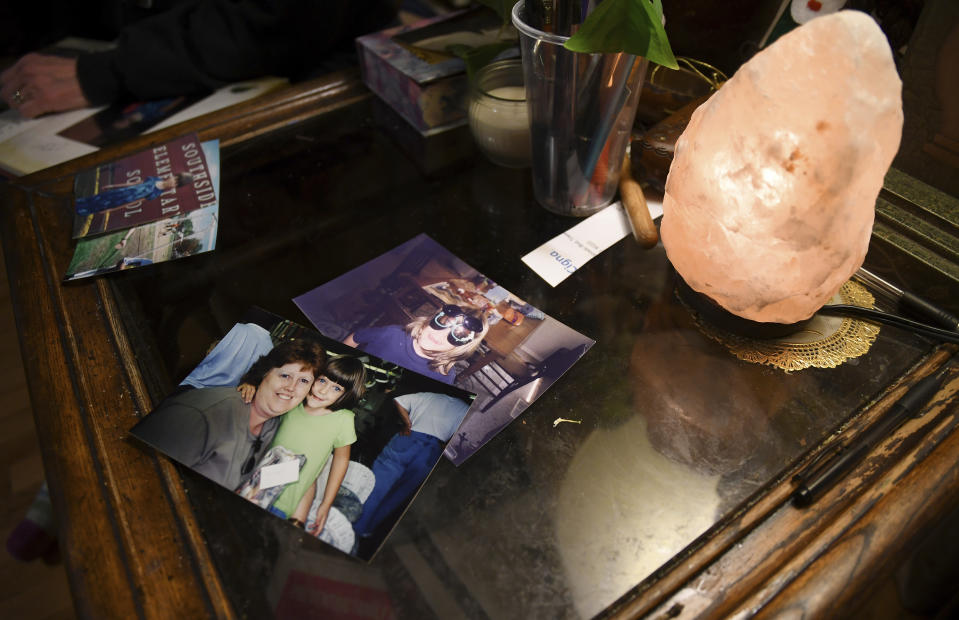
{"x": 828, "y": 472}
{"x": 910, "y": 302}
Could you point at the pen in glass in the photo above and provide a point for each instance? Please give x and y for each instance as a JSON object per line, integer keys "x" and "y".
{"x": 830, "y": 470}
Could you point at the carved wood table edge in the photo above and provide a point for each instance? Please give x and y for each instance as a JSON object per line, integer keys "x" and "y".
{"x": 86, "y": 391}
{"x": 770, "y": 556}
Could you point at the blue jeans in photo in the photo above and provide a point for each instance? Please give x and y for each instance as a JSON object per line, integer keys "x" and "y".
{"x": 399, "y": 469}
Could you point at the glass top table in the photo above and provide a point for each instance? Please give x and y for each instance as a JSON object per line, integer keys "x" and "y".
{"x": 545, "y": 520}
{"x": 681, "y": 449}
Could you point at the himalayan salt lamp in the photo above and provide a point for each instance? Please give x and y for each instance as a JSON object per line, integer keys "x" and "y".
{"x": 770, "y": 197}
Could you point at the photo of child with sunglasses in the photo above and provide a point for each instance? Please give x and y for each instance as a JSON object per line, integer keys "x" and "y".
{"x": 430, "y": 344}
{"x": 422, "y": 307}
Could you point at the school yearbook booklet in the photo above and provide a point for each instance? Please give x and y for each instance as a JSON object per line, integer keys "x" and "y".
{"x": 167, "y": 180}
{"x": 171, "y": 238}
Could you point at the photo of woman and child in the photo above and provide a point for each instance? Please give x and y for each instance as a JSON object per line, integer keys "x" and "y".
{"x": 321, "y": 425}
{"x": 272, "y": 414}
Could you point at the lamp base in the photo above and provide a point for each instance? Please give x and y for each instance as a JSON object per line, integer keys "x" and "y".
{"x": 718, "y": 316}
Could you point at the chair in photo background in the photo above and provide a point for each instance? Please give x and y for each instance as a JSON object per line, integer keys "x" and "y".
{"x": 355, "y": 489}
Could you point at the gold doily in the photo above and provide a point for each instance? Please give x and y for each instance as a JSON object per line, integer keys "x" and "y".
{"x": 824, "y": 342}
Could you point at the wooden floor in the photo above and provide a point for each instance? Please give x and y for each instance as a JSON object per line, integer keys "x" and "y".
{"x": 31, "y": 590}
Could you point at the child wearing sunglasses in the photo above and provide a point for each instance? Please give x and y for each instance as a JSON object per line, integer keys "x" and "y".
{"x": 430, "y": 345}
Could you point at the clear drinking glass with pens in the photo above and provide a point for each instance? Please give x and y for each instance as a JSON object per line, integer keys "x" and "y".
{"x": 581, "y": 111}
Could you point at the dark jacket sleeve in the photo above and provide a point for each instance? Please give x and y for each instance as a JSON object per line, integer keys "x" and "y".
{"x": 200, "y": 45}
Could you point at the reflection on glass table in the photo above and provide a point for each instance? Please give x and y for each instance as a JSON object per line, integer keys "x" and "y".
{"x": 674, "y": 434}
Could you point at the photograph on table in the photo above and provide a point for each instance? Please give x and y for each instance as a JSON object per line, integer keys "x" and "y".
{"x": 124, "y": 121}
{"x": 331, "y": 439}
{"x": 179, "y": 236}
{"x": 172, "y": 178}
{"x": 423, "y": 308}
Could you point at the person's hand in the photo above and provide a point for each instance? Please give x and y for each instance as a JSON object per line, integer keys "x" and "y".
{"x": 38, "y": 84}
{"x": 322, "y": 512}
{"x": 246, "y": 392}
{"x": 407, "y": 429}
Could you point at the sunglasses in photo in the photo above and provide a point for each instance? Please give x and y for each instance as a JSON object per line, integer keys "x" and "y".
{"x": 463, "y": 327}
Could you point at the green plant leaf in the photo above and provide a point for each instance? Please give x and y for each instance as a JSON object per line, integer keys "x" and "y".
{"x": 478, "y": 57}
{"x": 631, "y": 26}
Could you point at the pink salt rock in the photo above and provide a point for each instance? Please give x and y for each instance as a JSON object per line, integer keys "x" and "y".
{"x": 770, "y": 197}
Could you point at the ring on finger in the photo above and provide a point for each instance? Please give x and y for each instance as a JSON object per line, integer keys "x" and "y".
{"x": 18, "y": 96}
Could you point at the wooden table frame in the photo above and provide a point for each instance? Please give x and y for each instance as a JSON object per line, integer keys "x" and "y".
{"x": 127, "y": 553}
{"x": 133, "y": 548}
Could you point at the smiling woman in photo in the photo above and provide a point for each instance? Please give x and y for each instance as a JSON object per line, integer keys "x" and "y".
{"x": 321, "y": 425}
{"x": 216, "y": 433}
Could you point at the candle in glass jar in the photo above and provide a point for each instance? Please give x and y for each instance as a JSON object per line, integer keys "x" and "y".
{"x": 497, "y": 114}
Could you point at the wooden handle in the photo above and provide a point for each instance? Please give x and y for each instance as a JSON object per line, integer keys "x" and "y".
{"x": 634, "y": 201}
